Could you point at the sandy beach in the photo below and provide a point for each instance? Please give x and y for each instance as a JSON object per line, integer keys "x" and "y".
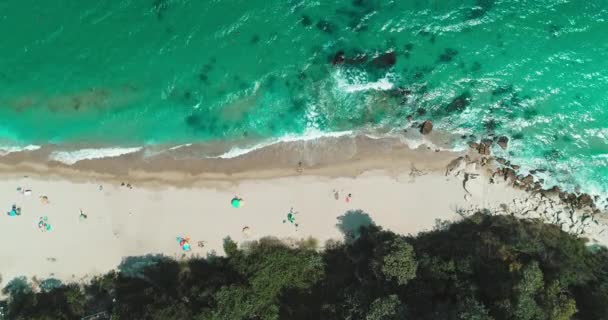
{"x": 406, "y": 191}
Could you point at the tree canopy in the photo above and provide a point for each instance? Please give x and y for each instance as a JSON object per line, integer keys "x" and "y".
{"x": 481, "y": 268}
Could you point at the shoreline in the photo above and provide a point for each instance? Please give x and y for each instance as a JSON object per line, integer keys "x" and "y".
{"x": 348, "y": 154}
{"x": 402, "y": 189}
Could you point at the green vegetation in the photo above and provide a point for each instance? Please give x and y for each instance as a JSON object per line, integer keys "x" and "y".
{"x": 482, "y": 268}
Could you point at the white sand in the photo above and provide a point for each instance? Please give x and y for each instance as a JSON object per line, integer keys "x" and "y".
{"x": 124, "y": 222}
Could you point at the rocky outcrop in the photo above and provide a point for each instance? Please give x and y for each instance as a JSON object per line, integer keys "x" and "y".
{"x": 384, "y": 61}
{"x": 502, "y": 161}
{"x": 503, "y": 142}
{"x": 426, "y": 127}
{"x": 527, "y": 180}
{"x": 585, "y": 200}
{"x": 484, "y": 149}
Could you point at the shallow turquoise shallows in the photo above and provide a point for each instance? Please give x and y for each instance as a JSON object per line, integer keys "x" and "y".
{"x": 132, "y": 72}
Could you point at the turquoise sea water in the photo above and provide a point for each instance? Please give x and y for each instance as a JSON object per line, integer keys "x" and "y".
{"x": 133, "y": 72}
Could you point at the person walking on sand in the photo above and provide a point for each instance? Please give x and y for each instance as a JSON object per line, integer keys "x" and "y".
{"x": 82, "y": 215}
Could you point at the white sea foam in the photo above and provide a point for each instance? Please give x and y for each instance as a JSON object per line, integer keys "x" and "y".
{"x": 380, "y": 85}
{"x": 355, "y": 81}
{"x": 309, "y": 134}
{"x": 6, "y": 150}
{"x": 71, "y": 157}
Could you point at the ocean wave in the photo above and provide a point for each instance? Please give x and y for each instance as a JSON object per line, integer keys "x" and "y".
{"x": 6, "y": 150}
{"x": 355, "y": 81}
{"x": 71, "y": 157}
{"x": 309, "y": 134}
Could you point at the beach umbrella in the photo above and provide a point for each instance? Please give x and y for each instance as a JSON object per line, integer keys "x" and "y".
{"x": 186, "y": 246}
{"x": 236, "y": 202}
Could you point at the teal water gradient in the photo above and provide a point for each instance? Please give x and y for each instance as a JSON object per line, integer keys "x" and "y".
{"x": 132, "y": 72}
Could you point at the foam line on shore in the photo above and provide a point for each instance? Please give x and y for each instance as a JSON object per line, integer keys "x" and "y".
{"x": 310, "y": 134}
{"x": 71, "y": 157}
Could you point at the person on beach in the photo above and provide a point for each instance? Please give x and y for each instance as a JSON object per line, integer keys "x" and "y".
{"x": 348, "y": 197}
{"x": 82, "y": 215}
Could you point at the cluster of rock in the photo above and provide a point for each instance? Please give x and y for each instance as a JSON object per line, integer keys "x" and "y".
{"x": 549, "y": 210}
{"x": 508, "y": 172}
{"x": 484, "y": 147}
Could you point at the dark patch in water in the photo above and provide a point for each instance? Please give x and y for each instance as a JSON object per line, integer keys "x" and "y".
{"x": 270, "y": 81}
{"x": 554, "y": 30}
{"x": 338, "y": 58}
{"x": 363, "y": 3}
{"x": 302, "y": 75}
{"x": 160, "y": 7}
{"x": 432, "y": 39}
{"x": 448, "y": 55}
{"x": 480, "y": 9}
{"x": 517, "y": 136}
{"x": 341, "y": 58}
{"x": 459, "y": 103}
{"x": 76, "y": 104}
{"x": 552, "y": 155}
{"x": 187, "y": 95}
{"x": 348, "y": 12}
{"x": 407, "y": 50}
{"x": 306, "y": 21}
{"x": 298, "y": 105}
{"x": 423, "y": 33}
{"x": 326, "y": 26}
{"x": 399, "y": 92}
{"x": 476, "y": 66}
{"x": 203, "y": 77}
{"x": 490, "y": 125}
{"x": 502, "y": 90}
{"x": 420, "y": 111}
{"x": 255, "y": 39}
{"x": 384, "y": 61}
{"x": 530, "y": 113}
{"x": 194, "y": 120}
{"x": 357, "y": 26}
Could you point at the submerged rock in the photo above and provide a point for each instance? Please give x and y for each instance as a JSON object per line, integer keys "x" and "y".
{"x": 503, "y": 142}
{"x": 459, "y": 103}
{"x": 448, "y": 55}
{"x": 326, "y": 26}
{"x": 529, "y": 179}
{"x": 384, "y": 61}
{"x": 585, "y": 200}
{"x": 426, "y": 127}
{"x": 340, "y": 58}
{"x": 484, "y": 149}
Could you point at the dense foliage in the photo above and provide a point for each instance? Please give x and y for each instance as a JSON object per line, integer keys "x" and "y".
{"x": 484, "y": 267}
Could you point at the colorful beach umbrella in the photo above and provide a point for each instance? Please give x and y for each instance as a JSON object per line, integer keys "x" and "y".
{"x": 236, "y": 202}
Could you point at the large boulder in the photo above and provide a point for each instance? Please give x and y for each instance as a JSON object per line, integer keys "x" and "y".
{"x": 529, "y": 179}
{"x": 503, "y": 142}
{"x": 484, "y": 149}
{"x": 585, "y": 200}
{"x": 384, "y": 61}
{"x": 426, "y": 127}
